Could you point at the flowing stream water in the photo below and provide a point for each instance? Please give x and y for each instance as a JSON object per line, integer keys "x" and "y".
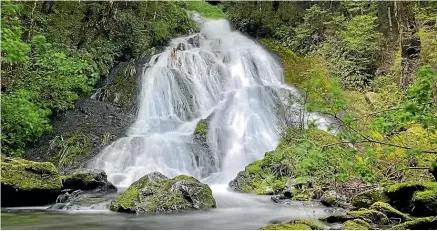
{"x": 219, "y": 76}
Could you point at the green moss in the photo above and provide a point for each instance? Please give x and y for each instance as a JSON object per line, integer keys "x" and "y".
{"x": 286, "y": 226}
{"x": 356, "y": 224}
{"x": 425, "y": 202}
{"x": 390, "y": 211}
{"x": 185, "y": 177}
{"x": 28, "y": 175}
{"x": 126, "y": 201}
{"x": 157, "y": 193}
{"x": 370, "y": 214}
{"x": 201, "y": 128}
{"x": 311, "y": 223}
{"x": 70, "y": 149}
{"x": 410, "y": 186}
{"x": 255, "y": 167}
{"x": 423, "y": 223}
{"x": 367, "y": 198}
{"x": 417, "y": 197}
{"x": 205, "y": 9}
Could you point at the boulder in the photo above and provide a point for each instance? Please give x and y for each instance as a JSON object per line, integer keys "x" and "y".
{"x": 390, "y": 211}
{"x": 337, "y": 218}
{"x": 371, "y": 216}
{"x": 417, "y": 198}
{"x": 331, "y": 198}
{"x": 155, "y": 193}
{"x": 88, "y": 180}
{"x": 297, "y": 224}
{"x": 424, "y": 223}
{"x": 28, "y": 183}
{"x": 367, "y": 198}
{"x": 356, "y": 224}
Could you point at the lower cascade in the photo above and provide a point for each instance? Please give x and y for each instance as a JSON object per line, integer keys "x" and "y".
{"x": 218, "y": 77}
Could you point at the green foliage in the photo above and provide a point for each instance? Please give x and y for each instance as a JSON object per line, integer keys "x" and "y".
{"x": 14, "y": 50}
{"x": 205, "y": 9}
{"x": 22, "y": 121}
{"x": 418, "y": 107}
{"x": 53, "y": 54}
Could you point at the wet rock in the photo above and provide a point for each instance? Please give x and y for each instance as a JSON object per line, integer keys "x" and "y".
{"x": 28, "y": 183}
{"x": 331, "y": 198}
{"x": 371, "y": 216}
{"x": 424, "y": 223}
{"x": 195, "y": 40}
{"x": 367, "y": 198}
{"x": 417, "y": 198}
{"x": 297, "y": 224}
{"x": 356, "y": 224}
{"x": 155, "y": 192}
{"x": 89, "y": 180}
{"x": 337, "y": 218}
{"x": 390, "y": 211}
{"x": 181, "y": 47}
{"x": 83, "y": 132}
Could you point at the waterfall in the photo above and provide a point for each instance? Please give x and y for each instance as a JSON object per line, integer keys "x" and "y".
{"x": 218, "y": 75}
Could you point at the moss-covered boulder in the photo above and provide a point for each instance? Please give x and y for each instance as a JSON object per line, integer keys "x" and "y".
{"x": 286, "y": 226}
{"x": 28, "y": 183}
{"x": 155, "y": 192}
{"x": 356, "y": 224}
{"x": 88, "y": 179}
{"x": 417, "y": 198}
{"x": 423, "y": 223}
{"x": 297, "y": 224}
{"x": 390, "y": 211}
{"x": 370, "y": 215}
{"x": 367, "y": 198}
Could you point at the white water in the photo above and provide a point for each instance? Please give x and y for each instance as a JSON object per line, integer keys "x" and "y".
{"x": 228, "y": 78}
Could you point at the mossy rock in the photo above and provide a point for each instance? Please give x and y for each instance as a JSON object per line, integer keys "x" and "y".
{"x": 297, "y": 224}
{"x": 367, "y": 198}
{"x": 337, "y": 218}
{"x": 418, "y": 198}
{"x": 255, "y": 180}
{"x": 28, "y": 183}
{"x": 423, "y": 223}
{"x": 356, "y": 224}
{"x": 314, "y": 225}
{"x": 390, "y": 211}
{"x": 286, "y": 226}
{"x": 88, "y": 179}
{"x": 370, "y": 215}
{"x": 155, "y": 193}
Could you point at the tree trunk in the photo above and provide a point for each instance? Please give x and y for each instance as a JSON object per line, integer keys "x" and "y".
{"x": 410, "y": 42}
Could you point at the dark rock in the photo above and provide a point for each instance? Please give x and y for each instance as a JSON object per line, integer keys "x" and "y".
{"x": 390, "y": 211}
{"x": 90, "y": 126}
{"x": 155, "y": 192}
{"x": 367, "y": 198}
{"x": 88, "y": 179}
{"x": 337, "y": 218}
{"x": 417, "y": 198}
{"x": 181, "y": 47}
{"x": 28, "y": 183}
{"x": 371, "y": 216}
{"x": 424, "y": 223}
{"x": 195, "y": 40}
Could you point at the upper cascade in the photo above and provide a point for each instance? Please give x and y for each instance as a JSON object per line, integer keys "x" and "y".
{"x": 219, "y": 75}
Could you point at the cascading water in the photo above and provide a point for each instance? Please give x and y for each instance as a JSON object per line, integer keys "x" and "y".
{"x": 218, "y": 75}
